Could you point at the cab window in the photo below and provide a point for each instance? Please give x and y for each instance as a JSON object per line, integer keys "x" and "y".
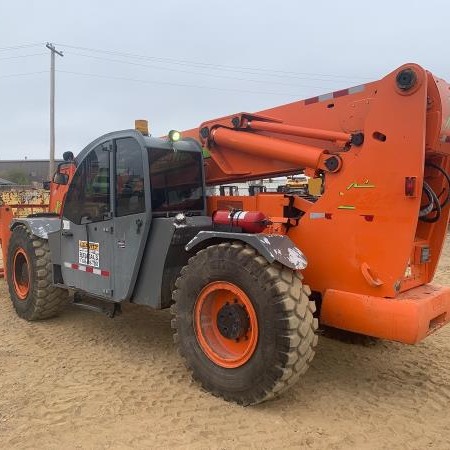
{"x": 176, "y": 181}
{"x": 129, "y": 177}
{"x": 88, "y": 195}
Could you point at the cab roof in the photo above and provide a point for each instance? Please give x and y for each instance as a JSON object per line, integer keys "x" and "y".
{"x": 187, "y": 144}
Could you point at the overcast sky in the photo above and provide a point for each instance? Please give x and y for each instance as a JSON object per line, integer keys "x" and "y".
{"x": 179, "y": 63}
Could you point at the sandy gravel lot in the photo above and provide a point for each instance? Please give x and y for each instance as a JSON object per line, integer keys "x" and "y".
{"x": 85, "y": 381}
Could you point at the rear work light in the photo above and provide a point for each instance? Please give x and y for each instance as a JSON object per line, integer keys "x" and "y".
{"x": 425, "y": 255}
{"x": 410, "y": 186}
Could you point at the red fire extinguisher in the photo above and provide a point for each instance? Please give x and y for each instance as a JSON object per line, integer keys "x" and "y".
{"x": 249, "y": 221}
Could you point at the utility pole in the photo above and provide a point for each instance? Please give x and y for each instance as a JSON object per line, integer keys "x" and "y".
{"x": 53, "y": 50}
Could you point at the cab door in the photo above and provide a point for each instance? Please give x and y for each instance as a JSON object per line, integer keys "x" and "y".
{"x": 87, "y": 225}
{"x": 131, "y": 217}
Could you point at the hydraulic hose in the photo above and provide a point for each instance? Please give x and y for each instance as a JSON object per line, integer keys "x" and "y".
{"x": 434, "y": 202}
{"x": 447, "y": 178}
{"x": 433, "y": 205}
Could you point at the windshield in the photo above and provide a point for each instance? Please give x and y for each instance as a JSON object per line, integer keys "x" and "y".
{"x": 176, "y": 181}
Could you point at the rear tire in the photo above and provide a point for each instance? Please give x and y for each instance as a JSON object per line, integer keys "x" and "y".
{"x": 30, "y": 277}
{"x": 283, "y": 317}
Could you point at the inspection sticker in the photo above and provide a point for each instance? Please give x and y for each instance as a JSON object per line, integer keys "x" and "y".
{"x": 94, "y": 253}
{"x": 317, "y": 215}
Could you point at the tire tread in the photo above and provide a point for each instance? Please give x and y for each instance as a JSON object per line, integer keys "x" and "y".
{"x": 295, "y": 322}
{"x": 46, "y": 299}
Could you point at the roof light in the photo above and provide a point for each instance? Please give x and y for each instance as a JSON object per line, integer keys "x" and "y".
{"x": 142, "y": 126}
{"x": 174, "y": 135}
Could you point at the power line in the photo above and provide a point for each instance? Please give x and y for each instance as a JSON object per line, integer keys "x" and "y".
{"x": 102, "y": 58}
{"x": 167, "y": 83}
{"x": 17, "y": 47}
{"x": 23, "y": 74}
{"x": 22, "y": 56}
{"x": 244, "y": 69}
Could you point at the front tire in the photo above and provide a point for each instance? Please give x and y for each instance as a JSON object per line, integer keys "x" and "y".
{"x": 244, "y": 327}
{"x": 29, "y": 275}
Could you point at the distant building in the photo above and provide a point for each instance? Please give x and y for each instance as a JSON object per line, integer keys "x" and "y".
{"x": 4, "y": 182}
{"x": 36, "y": 170}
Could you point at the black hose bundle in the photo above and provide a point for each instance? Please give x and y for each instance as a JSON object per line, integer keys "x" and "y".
{"x": 447, "y": 177}
{"x": 434, "y": 204}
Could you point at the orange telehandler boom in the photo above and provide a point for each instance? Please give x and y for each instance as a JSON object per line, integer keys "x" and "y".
{"x": 374, "y": 237}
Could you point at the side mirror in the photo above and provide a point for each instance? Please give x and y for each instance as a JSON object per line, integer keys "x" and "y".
{"x": 60, "y": 178}
{"x": 68, "y": 156}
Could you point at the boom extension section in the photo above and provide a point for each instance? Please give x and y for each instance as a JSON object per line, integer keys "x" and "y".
{"x": 229, "y": 134}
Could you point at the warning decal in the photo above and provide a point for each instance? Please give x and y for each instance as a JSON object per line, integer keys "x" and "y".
{"x": 94, "y": 253}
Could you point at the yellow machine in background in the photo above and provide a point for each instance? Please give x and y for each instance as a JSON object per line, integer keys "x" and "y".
{"x": 19, "y": 202}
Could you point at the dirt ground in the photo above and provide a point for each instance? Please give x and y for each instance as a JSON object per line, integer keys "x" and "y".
{"x": 85, "y": 381}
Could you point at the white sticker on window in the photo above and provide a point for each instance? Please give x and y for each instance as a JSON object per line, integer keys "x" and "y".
{"x": 66, "y": 225}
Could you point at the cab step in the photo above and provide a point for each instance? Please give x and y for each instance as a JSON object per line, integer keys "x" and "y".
{"x": 91, "y": 304}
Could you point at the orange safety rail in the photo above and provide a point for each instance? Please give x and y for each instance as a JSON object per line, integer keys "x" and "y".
{"x": 374, "y": 146}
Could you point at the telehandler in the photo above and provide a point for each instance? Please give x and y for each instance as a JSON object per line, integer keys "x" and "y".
{"x": 134, "y": 225}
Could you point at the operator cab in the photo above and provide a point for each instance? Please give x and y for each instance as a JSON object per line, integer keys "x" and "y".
{"x": 126, "y": 191}
{"x": 174, "y": 180}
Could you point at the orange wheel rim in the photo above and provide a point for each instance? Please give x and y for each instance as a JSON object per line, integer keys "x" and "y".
{"x": 226, "y": 325}
{"x": 21, "y": 274}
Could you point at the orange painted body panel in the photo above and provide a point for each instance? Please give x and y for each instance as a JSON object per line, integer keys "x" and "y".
{"x": 58, "y": 191}
{"x": 6, "y": 215}
{"x": 409, "y": 318}
{"x": 362, "y": 237}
